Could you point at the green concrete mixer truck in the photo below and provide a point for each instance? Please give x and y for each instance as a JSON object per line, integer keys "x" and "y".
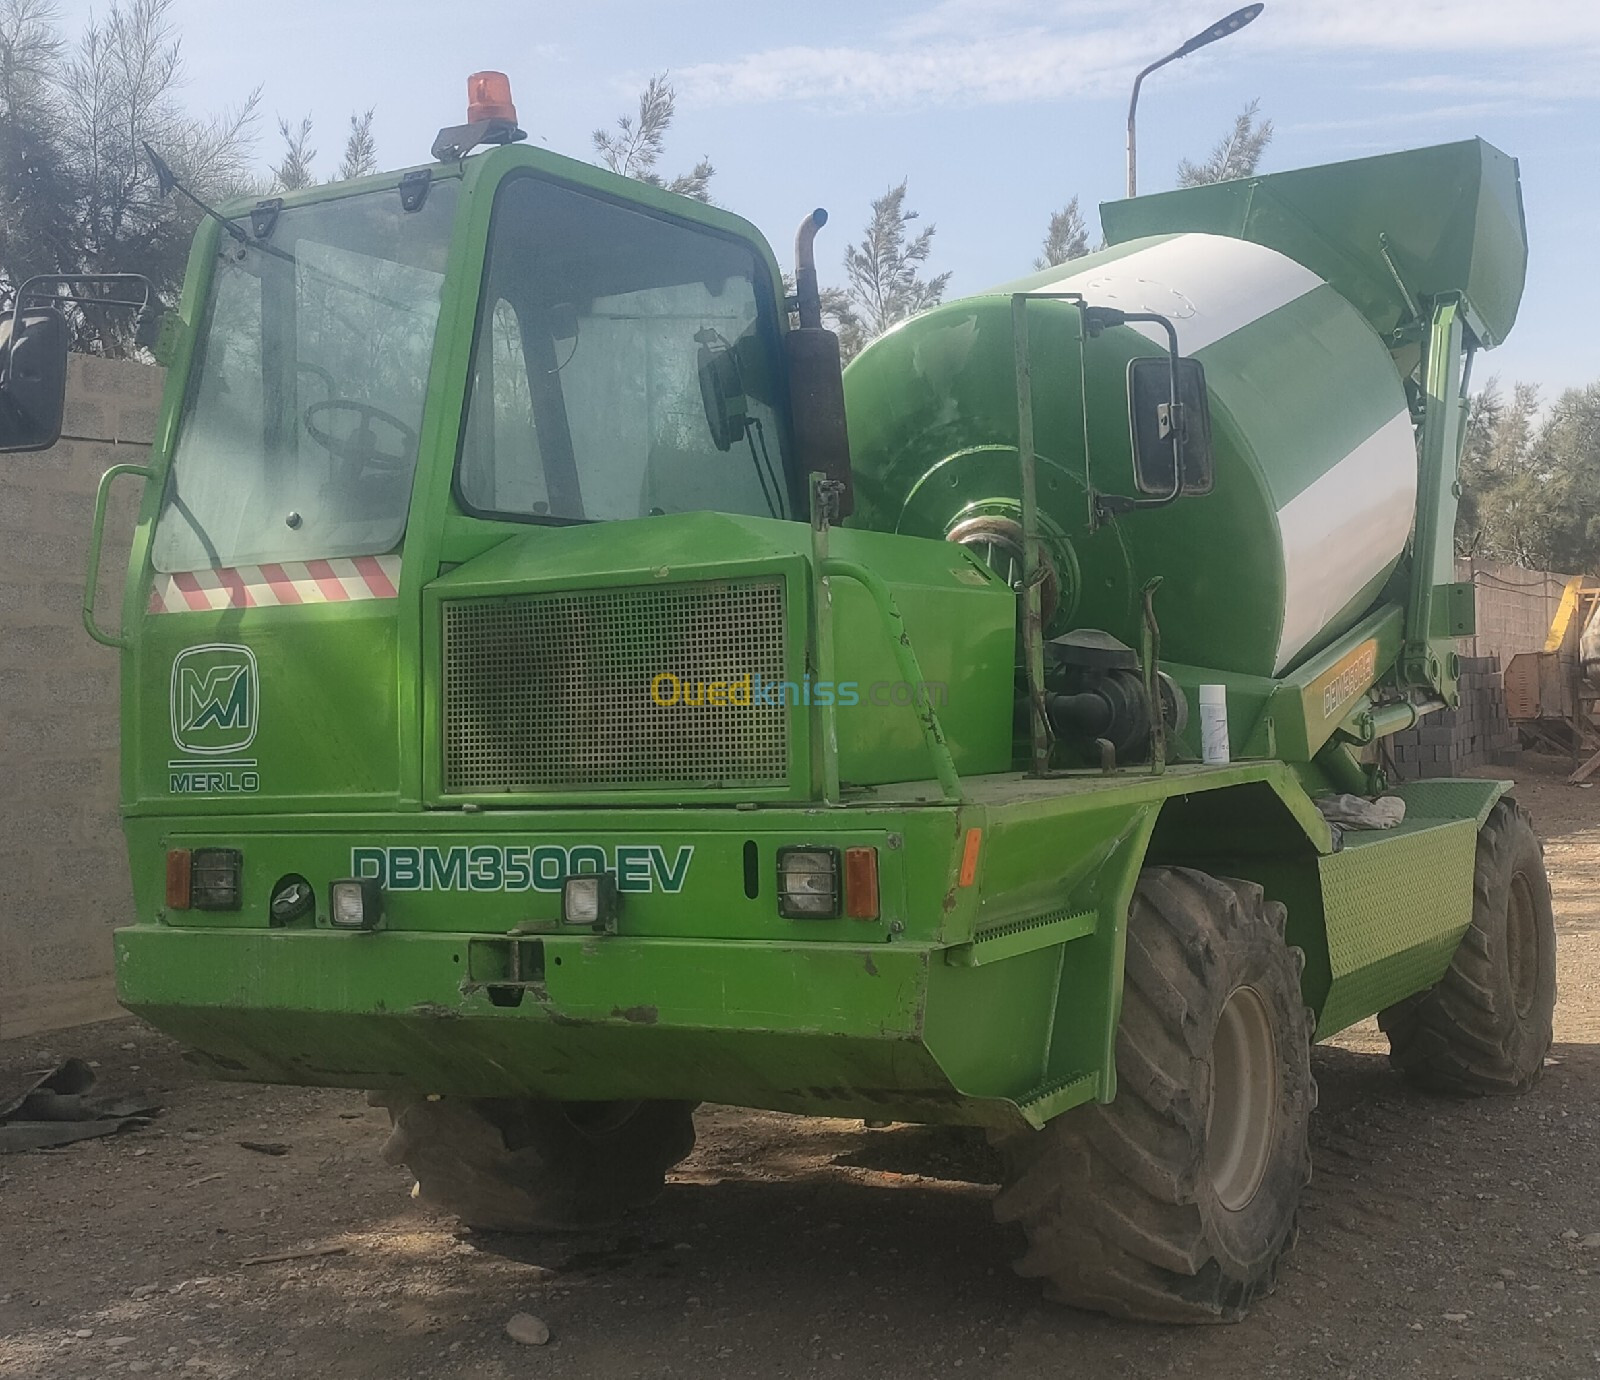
{"x": 553, "y": 696}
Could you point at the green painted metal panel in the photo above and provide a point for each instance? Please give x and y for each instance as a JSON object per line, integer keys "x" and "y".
{"x": 1258, "y": 376}
{"x": 1293, "y": 717}
{"x": 1396, "y": 905}
{"x": 451, "y": 885}
{"x": 1448, "y": 798}
{"x": 961, "y": 619}
{"x": 996, "y": 942}
{"x": 1429, "y": 658}
{"x": 319, "y": 719}
{"x": 762, "y": 1025}
{"x": 1450, "y": 218}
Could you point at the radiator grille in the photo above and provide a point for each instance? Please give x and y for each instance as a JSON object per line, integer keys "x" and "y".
{"x": 552, "y": 691}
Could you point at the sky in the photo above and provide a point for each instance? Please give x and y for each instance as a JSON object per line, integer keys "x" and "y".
{"x": 996, "y": 110}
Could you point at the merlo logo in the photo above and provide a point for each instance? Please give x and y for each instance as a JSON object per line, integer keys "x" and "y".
{"x": 214, "y": 694}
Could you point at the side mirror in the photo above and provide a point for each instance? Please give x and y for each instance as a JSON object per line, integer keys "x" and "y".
{"x": 33, "y": 379}
{"x": 1150, "y": 404}
{"x": 816, "y": 409}
{"x": 722, "y": 390}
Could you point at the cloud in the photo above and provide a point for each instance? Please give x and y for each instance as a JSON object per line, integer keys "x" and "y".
{"x": 1445, "y": 115}
{"x": 1029, "y": 66}
{"x": 960, "y": 18}
{"x": 1537, "y": 80}
{"x": 1000, "y": 52}
{"x": 1431, "y": 26}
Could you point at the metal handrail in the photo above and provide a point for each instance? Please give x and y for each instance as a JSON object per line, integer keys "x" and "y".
{"x": 96, "y": 538}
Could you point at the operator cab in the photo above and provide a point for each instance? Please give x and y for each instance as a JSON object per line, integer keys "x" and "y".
{"x": 625, "y": 366}
{"x": 301, "y": 430}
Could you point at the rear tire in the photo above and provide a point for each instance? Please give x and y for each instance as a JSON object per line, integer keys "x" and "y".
{"x": 507, "y": 1165}
{"x": 1175, "y": 1202}
{"x": 1486, "y": 1026}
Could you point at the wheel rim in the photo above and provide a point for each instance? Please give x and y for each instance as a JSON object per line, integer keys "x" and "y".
{"x": 1522, "y": 944}
{"x": 1242, "y": 1122}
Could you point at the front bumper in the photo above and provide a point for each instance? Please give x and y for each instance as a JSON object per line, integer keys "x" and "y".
{"x": 828, "y": 1029}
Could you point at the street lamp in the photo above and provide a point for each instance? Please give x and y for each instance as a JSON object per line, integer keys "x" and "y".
{"x": 1221, "y": 29}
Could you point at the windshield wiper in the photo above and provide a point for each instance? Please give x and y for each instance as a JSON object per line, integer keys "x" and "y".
{"x": 167, "y": 182}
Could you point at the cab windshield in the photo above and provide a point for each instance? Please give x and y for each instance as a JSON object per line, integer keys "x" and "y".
{"x": 626, "y": 365}
{"x": 299, "y": 438}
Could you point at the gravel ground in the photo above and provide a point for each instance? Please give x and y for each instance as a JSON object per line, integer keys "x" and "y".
{"x": 1439, "y": 1238}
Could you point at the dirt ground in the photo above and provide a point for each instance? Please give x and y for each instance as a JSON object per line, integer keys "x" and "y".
{"x": 1439, "y": 1238}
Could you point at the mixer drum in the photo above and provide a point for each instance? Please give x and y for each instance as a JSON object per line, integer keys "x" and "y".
{"x": 1315, "y": 464}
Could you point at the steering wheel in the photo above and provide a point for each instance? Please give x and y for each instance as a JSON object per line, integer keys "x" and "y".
{"x": 319, "y": 373}
{"x": 360, "y": 447}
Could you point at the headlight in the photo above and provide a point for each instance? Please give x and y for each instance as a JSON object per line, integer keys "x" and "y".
{"x": 355, "y": 903}
{"x": 808, "y": 883}
{"x": 214, "y": 875}
{"x": 590, "y": 898}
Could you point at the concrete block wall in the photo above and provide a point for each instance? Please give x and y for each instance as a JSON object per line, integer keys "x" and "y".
{"x": 1515, "y": 607}
{"x": 64, "y": 871}
{"x": 1475, "y": 734}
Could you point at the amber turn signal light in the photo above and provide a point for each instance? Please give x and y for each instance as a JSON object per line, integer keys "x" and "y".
{"x": 969, "y": 857}
{"x": 861, "y": 883}
{"x": 178, "y": 873}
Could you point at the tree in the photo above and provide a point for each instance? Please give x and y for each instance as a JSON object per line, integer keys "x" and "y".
{"x": 838, "y": 312}
{"x": 885, "y": 271}
{"x": 1566, "y": 456}
{"x": 1236, "y": 154}
{"x": 1531, "y": 483}
{"x": 294, "y": 172}
{"x": 640, "y": 140}
{"x": 80, "y": 195}
{"x": 360, "y": 148}
{"x": 1067, "y": 237}
{"x": 36, "y": 203}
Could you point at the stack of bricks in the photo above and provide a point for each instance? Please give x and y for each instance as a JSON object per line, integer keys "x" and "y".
{"x": 1477, "y": 733}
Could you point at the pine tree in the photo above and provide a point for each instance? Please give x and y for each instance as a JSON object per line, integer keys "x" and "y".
{"x": 294, "y": 172}
{"x": 1236, "y": 154}
{"x": 360, "y": 148}
{"x": 36, "y": 198}
{"x": 360, "y": 158}
{"x": 87, "y": 175}
{"x": 640, "y": 140}
{"x": 1067, "y": 238}
{"x": 885, "y": 271}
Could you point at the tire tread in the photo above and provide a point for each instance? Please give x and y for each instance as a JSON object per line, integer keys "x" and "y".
{"x": 1109, "y": 1194}
{"x": 1463, "y": 1035}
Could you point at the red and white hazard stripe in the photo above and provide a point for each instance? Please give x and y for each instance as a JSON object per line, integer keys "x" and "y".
{"x": 335, "y": 581}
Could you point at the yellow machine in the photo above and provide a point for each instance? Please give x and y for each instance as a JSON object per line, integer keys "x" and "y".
{"x": 1551, "y": 696}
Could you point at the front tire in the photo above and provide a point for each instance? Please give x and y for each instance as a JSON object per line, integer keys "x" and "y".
{"x": 502, "y": 1164}
{"x": 1175, "y": 1202}
{"x": 1486, "y": 1026}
